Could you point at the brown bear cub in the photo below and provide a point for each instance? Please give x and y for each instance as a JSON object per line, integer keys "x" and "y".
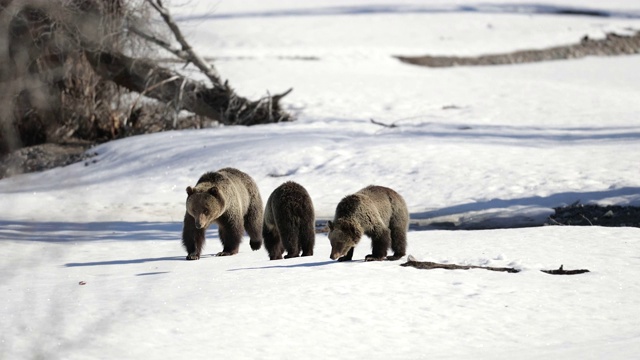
{"x": 375, "y": 211}
{"x": 229, "y": 198}
{"x": 289, "y": 222}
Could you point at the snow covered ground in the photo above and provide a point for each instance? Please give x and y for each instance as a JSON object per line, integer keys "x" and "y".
{"x": 474, "y": 146}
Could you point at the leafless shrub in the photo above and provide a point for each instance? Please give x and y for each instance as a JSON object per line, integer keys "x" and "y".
{"x": 49, "y": 92}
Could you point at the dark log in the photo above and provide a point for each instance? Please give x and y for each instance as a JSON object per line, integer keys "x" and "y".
{"x": 218, "y": 103}
{"x": 428, "y": 265}
{"x": 561, "y": 271}
{"x": 411, "y": 261}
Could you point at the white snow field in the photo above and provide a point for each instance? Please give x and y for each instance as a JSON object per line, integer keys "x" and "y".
{"x": 93, "y": 266}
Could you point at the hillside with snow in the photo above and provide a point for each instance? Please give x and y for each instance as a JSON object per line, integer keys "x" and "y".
{"x": 94, "y": 266}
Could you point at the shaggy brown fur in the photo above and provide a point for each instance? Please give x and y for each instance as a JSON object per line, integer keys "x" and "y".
{"x": 229, "y": 198}
{"x": 289, "y": 222}
{"x": 375, "y": 211}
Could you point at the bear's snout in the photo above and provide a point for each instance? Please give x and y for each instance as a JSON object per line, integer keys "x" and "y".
{"x": 335, "y": 254}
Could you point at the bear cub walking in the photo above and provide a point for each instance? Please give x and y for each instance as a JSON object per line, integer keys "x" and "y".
{"x": 289, "y": 222}
{"x": 375, "y": 211}
{"x": 231, "y": 199}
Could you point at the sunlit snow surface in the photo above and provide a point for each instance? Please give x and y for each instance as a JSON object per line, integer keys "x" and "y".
{"x": 473, "y": 147}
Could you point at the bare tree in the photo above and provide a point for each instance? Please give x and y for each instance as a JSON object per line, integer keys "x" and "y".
{"x": 66, "y": 67}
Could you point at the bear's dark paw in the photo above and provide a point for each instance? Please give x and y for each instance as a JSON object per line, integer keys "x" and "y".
{"x": 373, "y": 258}
{"x": 310, "y": 253}
{"x": 289, "y": 256}
{"x": 394, "y": 257}
{"x": 275, "y": 257}
{"x": 193, "y": 257}
{"x": 255, "y": 244}
{"x": 344, "y": 258}
{"x": 225, "y": 253}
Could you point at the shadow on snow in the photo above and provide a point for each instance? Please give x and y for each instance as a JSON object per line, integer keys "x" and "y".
{"x": 522, "y": 135}
{"x": 70, "y": 232}
{"x": 127, "y": 262}
{"x": 65, "y": 232}
{"x": 519, "y": 9}
{"x": 550, "y": 202}
{"x": 314, "y": 264}
{"x": 510, "y": 213}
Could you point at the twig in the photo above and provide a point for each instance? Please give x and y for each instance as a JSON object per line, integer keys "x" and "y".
{"x": 555, "y": 222}
{"x": 584, "y": 217}
{"x": 383, "y": 124}
{"x": 163, "y": 44}
{"x": 276, "y": 98}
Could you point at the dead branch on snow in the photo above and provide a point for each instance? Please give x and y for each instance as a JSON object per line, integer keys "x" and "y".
{"x": 428, "y": 265}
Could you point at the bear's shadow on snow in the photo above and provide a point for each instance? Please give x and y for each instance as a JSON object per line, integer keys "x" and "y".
{"x": 76, "y": 232}
{"x": 125, "y": 262}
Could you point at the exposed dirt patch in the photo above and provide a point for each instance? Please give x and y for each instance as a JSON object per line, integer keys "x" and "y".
{"x": 611, "y": 45}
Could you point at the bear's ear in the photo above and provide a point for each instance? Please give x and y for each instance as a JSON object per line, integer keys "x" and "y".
{"x": 330, "y": 223}
{"x": 189, "y": 190}
{"x": 213, "y": 192}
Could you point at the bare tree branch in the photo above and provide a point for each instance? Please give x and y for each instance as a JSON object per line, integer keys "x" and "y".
{"x": 229, "y": 107}
{"x": 198, "y": 61}
{"x": 411, "y": 261}
{"x": 428, "y": 265}
{"x": 163, "y": 44}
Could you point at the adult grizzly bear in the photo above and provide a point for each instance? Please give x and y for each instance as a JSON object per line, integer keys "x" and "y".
{"x": 376, "y": 211}
{"x": 229, "y": 198}
{"x": 289, "y": 222}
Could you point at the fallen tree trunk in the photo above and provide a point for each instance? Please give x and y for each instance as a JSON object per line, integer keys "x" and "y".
{"x": 151, "y": 80}
{"x": 220, "y": 101}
